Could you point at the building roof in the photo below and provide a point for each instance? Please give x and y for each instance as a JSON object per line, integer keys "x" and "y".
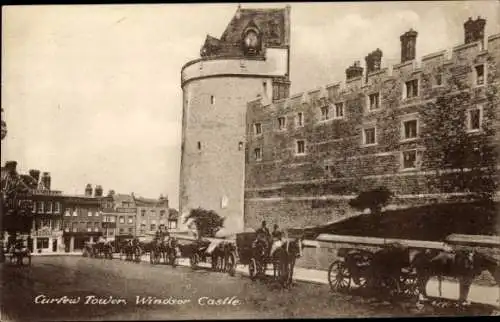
{"x": 272, "y": 25}
{"x": 118, "y": 197}
{"x": 140, "y": 201}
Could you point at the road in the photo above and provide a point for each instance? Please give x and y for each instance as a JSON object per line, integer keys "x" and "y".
{"x": 186, "y": 294}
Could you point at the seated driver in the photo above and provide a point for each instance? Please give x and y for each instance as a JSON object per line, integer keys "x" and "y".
{"x": 263, "y": 236}
{"x": 277, "y": 239}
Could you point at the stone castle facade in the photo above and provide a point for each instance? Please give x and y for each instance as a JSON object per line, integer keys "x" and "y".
{"x": 298, "y": 160}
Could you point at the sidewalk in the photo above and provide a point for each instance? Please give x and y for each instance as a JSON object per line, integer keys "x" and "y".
{"x": 488, "y": 295}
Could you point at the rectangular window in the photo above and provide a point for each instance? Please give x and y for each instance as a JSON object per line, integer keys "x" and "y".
{"x": 162, "y": 213}
{"x": 258, "y": 154}
{"x": 130, "y": 219}
{"x": 479, "y": 71}
{"x": 339, "y": 110}
{"x": 130, "y": 230}
{"x": 374, "y": 101}
{"x": 48, "y": 207}
{"x": 474, "y": 119}
{"x": 411, "y": 88}
{"x": 264, "y": 88}
{"x": 212, "y": 99}
{"x": 89, "y": 213}
{"x": 121, "y": 230}
{"x": 75, "y": 213}
{"x": 152, "y": 227}
{"x": 410, "y": 129}
{"x": 300, "y": 119}
{"x": 257, "y": 128}
{"x": 199, "y": 145}
{"x": 67, "y": 212}
{"x": 438, "y": 80}
{"x": 57, "y": 207}
{"x": 122, "y": 220}
{"x": 34, "y": 207}
{"x": 89, "y": 229}
{"x": 143, "y": 212}
{"x": 409, "y": 159}
{"x": 281, "y": 123}
{"x": 324, "y": 113}
{"x": 172, "y": 224}
{"x": 40, "y": 206}
{"x": 369, "y": 136}
{"x": 112, "y": 218}
{"x": 301, "y": 147}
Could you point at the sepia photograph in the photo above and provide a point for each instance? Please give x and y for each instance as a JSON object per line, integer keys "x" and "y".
{"x": 225, "y": 161}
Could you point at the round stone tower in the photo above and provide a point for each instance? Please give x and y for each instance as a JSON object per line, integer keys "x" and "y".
{"x": 251, "y": 59}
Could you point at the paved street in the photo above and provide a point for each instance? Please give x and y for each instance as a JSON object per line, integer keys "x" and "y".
{"x": 78, "y": 277}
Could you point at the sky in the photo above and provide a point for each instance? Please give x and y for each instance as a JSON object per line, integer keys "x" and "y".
{"x": 92, "y": 93}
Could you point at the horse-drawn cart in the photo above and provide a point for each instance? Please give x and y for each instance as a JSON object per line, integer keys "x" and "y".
{"x": 376, "y": 264}
{"x": 257, "y": 256}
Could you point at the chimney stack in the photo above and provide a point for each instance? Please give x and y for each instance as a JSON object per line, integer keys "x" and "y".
{"x": 354, "y": 71}
{"x": 408, "y": 45}
{"x": 11, "y": 166}
{"x": 98, "y": 191}
{"x": 88, "y": 190}
{"x": 373, "y": 61}
{"x": 474, "y": 30}
{"x": 46, "y": 180}
{"x": 35, "y": 174}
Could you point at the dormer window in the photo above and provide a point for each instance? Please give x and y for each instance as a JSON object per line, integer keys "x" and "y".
{"x": 251, "y": 40}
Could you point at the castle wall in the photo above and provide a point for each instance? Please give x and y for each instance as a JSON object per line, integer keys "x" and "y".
{"x": 290, "y": 188}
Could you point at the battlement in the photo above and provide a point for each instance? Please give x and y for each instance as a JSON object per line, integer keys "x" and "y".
{"x": 431, "y": 63}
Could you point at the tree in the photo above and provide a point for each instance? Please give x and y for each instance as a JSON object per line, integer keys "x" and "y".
{"x": 374, "y": 199}
{"x": 207, "y": 222}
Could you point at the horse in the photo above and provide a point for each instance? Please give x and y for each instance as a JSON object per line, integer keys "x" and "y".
{"x": 103, "y": 249}
{"x": 133, "y": 250}
{"x": 171, "y": 250}
{"x": 18, "y": 254}
{"x": 284, "y": 258}
{"x": 463, "y": 265}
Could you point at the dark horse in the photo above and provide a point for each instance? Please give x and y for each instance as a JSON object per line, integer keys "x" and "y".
{"x": 284, "y": 258}
{"x": 461, "y": 264}
{"x": 133, "y": 250}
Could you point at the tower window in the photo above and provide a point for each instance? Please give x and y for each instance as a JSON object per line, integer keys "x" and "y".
{"x": 281, "y": 123}
{"x": 212, "y": 99}
{"x": 410, "y": 129}
{"x": 240, "y": 146}
{"x": 264, "y": 87}
{"x": 324, "y": 113}
{"x": 369, "y": 136}
{"x": 479, "y": 71}
{"x": 474, "y": 119}
{"x": 300, "y": 119}
{"x": 339, "y": 110}
{"x": 409, "y": 159}
{"x": 374, "y": 101}
{"x": 199, "y": 145}
{"x": 257, "y": 128}
{"x": 411, "y": 88}
{"x": 301, "y": 147}
{"x": 438, "y": 79}
{"x": 258, "y": 154}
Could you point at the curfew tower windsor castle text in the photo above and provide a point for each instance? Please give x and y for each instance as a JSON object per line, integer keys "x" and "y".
{"x": 426, "y": 129}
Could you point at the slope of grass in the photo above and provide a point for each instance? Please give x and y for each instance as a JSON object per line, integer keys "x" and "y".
{"x": 432, "y": 222}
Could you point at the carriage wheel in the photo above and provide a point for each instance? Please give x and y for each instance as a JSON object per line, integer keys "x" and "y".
{"x": 391, "y": 286}
{"x": 172, "y": 258}
{"x": 231, "y": 264}
{"x": 252, "y": 269}
{"x": 193, "y": 261}
{"x": 339, "y": 277}
{"x": 409, "y": 285}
